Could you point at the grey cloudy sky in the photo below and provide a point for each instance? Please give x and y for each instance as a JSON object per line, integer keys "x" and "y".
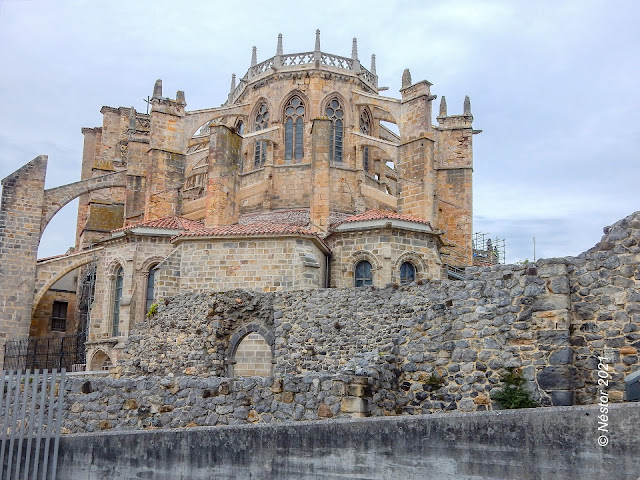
{"x": 553, "y": 86}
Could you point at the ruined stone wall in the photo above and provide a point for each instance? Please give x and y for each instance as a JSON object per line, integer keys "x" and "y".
{"x": 439, "y": 346}
{"x": 94, "y": 403}
{"x": 605, "y": 308}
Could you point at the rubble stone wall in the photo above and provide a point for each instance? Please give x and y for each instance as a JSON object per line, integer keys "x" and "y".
{"x": 422, "y": 348}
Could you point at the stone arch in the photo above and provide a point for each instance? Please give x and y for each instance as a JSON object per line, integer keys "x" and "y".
{"x": 197, "y": 119}
{"x": 415, "y": 259}
{"x": 254, "y": 111}
{"x": 348, "y": 116}
{"x": 283, "y": 103}
{"x": 58, "y": 197}
{"x": 240, "y": 335}
{"x": 361, "y": 255}
{"x": 389, "y": 150}
{"x": 100, "y": 360}
{"x": 357, "y": 257}
{"x": 50, "y": 271}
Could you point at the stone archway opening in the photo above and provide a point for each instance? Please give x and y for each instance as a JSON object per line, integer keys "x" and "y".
{"x": 253, "y": 357}
{"x": 100, "y": 361}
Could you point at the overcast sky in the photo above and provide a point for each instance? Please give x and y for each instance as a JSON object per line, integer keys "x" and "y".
{"x": 553, "y": 86}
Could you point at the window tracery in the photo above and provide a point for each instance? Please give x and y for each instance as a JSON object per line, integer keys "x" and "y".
{"x": 365, "y": 128}
{"x": 294, "y": 129}
{"x": 335, "y": 113}
{"x": 261, "y": 122}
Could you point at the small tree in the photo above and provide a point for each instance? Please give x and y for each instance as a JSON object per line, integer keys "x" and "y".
{"x": 512, "y": 394}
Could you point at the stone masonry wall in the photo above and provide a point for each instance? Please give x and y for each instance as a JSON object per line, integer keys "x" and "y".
{"x": 262, "y": 264}
{"x": 437, "y": 346}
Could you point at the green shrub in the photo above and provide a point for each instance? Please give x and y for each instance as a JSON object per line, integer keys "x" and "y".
{"x": 512, "y": 394}
{"x": 153, "y": 309}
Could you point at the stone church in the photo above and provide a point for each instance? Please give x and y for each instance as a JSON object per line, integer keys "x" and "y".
{"x": 305, "y": 178}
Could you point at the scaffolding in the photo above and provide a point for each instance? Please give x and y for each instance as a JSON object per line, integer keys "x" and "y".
{"x": 487, "y": 252}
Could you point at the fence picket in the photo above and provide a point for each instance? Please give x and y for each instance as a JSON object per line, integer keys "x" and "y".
{"x": 23, "y": 418}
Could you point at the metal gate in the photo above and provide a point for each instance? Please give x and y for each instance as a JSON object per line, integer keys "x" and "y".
{"x": 31, "y": 408}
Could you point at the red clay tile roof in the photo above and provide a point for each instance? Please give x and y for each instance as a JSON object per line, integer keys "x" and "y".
{"x": 380, "y": 215}
{"x": 168, "y": 223}
{"x": 263, "y": 228}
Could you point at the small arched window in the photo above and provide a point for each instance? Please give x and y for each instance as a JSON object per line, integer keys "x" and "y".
{"x": 239, "y": 128}
{"x": 363, "y": 274}
{"x": 335, "y": 113}
{"x": 293, "y": 129}
{"x": 261, "y": 122}
{"x": 117, "y": 299}
{"x": 407, "y": 273}
{"x": 365, "y": 128}
{"x": 151, "y": 282}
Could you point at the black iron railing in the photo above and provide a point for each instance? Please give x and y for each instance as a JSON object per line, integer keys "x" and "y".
{"x": 46, "y": 352}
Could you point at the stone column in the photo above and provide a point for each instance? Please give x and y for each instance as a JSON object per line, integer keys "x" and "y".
{"x": 557, "y": 376}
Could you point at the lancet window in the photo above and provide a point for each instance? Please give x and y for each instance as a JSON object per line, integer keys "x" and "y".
{"x": 365, "y": 128}
{"x": 294, "y": 130}
{"x": 335, "y": 113}
{"x": 261, "y": 122}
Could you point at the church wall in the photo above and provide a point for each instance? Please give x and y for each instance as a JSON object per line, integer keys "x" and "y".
{"x": 136, "y": 254}
{"x": 383, "y": 248}
{"x": 41, "y": 320}
{"x": 262, "y": 264}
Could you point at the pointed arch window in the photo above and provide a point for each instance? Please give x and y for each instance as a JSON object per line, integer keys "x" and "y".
{"x": 117, "y": 299}
{"x": 261, "y": 122}
{"x": 365, "y": 128}
{"x": 293, "y": 129}
{"x": 335, "y": 113}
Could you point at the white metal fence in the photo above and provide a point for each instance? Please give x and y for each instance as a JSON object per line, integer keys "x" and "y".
{"x": 31, "y": 417}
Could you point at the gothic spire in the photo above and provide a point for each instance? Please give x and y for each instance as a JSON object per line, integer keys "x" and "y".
{"x": 354, "y": 49}
{"x": 317, "y": 48}
{"x": 254, "y": 56}
{"x": 279, "y": 47}
{"x": 467, "y": 105}
{"x": 373, "y": 64}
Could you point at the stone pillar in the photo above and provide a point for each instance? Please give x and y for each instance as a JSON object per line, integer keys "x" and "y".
{"x": 224, "y": 182}
{"x": 320, "y": 175}
{"x": 20, "y": 219}
{"x": 356, "y": 399}
{"x": 167, "y": 151}
{"x": 557, "y": 378}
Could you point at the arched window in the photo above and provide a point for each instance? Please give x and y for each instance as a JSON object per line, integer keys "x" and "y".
{"x": 363, "y": 275}
{"x": 151, "y": 282}
{"x": 239, "y": 128}
{"x": 293, "y": 129}
{"x": 117, "y": 298}
{"x": 407, "y": 273}
{"x": 365, "y": 128}
{"x": 261, "y": 122}
{"x": 335, "y": 113}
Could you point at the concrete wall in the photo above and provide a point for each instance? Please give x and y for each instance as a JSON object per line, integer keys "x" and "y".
{"x": 540, "y": 444}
